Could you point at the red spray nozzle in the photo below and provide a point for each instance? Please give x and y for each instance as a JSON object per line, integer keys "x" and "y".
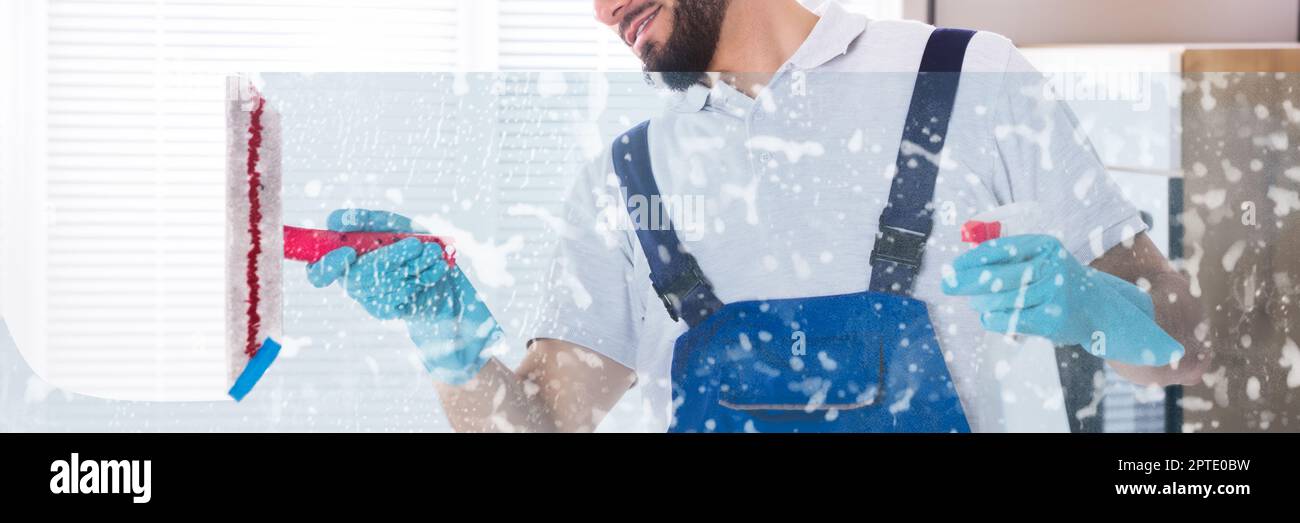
{"x": 977, "y": 232}
{"x": 310, "y": 245}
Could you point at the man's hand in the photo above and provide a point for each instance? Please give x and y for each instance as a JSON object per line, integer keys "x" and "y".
{"x": 1178, "y": 311}
{"x": 559, "y": 387}
{"x": 1031, "y": 284}
{"x": 411, "y": 281}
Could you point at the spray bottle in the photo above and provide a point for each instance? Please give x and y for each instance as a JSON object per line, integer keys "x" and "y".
{"x": 1030, "y": 397}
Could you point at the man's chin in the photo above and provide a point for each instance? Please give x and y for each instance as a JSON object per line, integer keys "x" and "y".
{"x": 672, "y": 76}
{"x": 677, "y": 80}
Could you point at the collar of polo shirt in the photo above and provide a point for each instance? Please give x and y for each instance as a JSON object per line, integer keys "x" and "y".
{"x": 830, "y": 38}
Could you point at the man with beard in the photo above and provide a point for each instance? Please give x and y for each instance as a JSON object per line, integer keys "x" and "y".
{"x": 826, "y": 286}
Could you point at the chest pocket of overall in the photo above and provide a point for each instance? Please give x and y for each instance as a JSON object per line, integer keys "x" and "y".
{"x": 804, "y": 355}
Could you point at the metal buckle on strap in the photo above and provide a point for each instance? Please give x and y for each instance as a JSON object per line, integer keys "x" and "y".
{"x": 687, "y": 285}
{"x": 900, "y": 246}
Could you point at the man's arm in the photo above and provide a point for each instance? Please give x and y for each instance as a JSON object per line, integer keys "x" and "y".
{"x": 559, "y": 387}
{"x": 1177, "y": 311}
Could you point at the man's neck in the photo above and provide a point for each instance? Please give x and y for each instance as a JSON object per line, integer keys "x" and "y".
{"x": 758, "y": 37}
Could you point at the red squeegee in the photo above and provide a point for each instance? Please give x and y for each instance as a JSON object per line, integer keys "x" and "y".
{"x": 310, "y": 245}
{"x": 258, "y": 241}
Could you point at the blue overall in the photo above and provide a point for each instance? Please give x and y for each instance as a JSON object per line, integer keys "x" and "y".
{"x": 865, "y": 362}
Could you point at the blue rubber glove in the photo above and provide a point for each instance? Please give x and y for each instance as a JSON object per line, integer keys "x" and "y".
{"x": 1030, "y": 284}
{"x": 411, "y": 281}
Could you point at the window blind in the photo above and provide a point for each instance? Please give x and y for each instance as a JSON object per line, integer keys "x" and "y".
{"x": 537, "y": 35}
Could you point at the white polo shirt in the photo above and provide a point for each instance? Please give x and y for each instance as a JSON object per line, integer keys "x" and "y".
{"x": 783, "y": 195}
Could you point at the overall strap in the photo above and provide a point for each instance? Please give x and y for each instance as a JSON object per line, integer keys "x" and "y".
{"x": 674, "y": 273}
{"x": 908, "y": 217}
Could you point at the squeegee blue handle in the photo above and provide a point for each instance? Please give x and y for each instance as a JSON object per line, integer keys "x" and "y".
{"x": 256, "y": 367}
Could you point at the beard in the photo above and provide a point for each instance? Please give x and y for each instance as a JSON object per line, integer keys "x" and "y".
{"x": 684, "y": 58}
